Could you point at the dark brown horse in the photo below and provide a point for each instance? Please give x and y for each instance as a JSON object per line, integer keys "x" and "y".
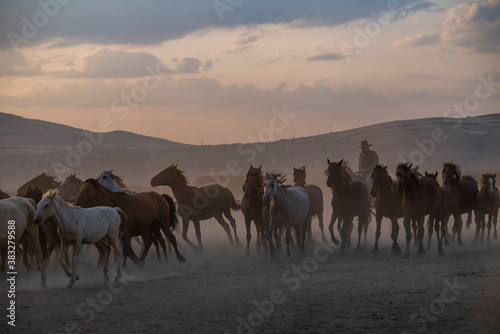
{"x": 467, "y": 189}
{"x": 387, "y": 204}
{"x": 145, "y": 212}
{"x": 251, "y": 205}
{"x": 316, "y": 198}
{"x": 43, "y": 181}
{"x": 421, "y": 197}
{"x": 197, "y": 204}
{"x": 449, "y": 207}
{"x": 350, "y": 199}
{"x": 487, "y": 203}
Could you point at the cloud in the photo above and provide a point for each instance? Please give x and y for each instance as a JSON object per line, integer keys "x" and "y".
{"x": 16, "y": 64}
{"x": 150, "y": 22}
{"x": 418, "y": 40}
{"x": 107, "y": 63}
{"x": 243, "y": 42}
{"x": 473, "y": 27}
{"x": 325, "y": 56}
{"x": 115, "y": 64}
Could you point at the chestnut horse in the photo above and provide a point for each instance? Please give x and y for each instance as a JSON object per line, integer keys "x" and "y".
{"x": 421, "y": 197}
{"x": 199, "y": 203}
{"x": 251, "y": 205}
{"x": 487, "y": 203}
{"x": 316, "y": 198}
{"x": 387, "y": 204}
{"x": 143, "y": 210}
{"x": 43, "y": 181}
{"x": 350, "y": 199}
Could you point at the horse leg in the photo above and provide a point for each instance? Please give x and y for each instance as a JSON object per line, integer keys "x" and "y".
{"x": 478, "y": 219}
{"x": 197, "y": 229}
{"x": 301, "y": 232}
{"x": 117, "y": 248}
{"x": 232, "y": 221}
{"x": 378, "y": 219}
{"x": 278, "y": 236}
{"x": 330, "y": 227}
{"x": 345, "y": 234}
{"x": 458, "y": 226}
{"x": 171, "y": 237}
{"x": 439, "y": 236}
{"x": 415, "y": 231}
{"x": 32, "y": 234}
{"x": 495, "y": 218}
{"x": 100, "y": 261}
{"x": 287, "y": 239}
{"x": 490, "y": 216}
{"x": 24, "y": 243}
{"x": 308, "y": 229}
{"x": 225, "y": 226}
{"x": 430, "y": 227}
{"x": 147, "y": 239}
{"x": 360, "y": 232}
{"x": 74, "y": 264}
{"x": 249, "y": 236}
{"x": 107, "y": 249}
{"x": 321, "y": 226}
{"x": 421, "y": 231}
{"x": 185, "y": 227}
{"x": 394, "y": 236}
{"x": 155, "y": 242}
{"x": 158, "y": 238}
{"x": 407, "y": 225}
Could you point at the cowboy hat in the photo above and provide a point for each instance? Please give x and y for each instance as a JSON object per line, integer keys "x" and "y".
{"x": 364, "y": 143}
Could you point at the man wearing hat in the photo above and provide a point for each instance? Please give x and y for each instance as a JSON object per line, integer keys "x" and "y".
{"x": 368, "y": 159}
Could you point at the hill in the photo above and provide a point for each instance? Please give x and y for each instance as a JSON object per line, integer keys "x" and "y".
{"x": 29, "y": 147}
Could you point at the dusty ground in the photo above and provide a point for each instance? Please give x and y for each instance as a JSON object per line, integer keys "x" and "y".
{"x": 317, "y": 292}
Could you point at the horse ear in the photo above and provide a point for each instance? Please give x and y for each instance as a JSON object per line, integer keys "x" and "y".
{"x": 29, "y": 189}
{"x": 303, "y": 168}
{"x": 411, "y": 165}
{"x": 260, "y": 167}
{"x": 340, "y": 162}
{"x": 295, "y": 169}
{"x": 494, "y": 176}
{"x": 385, "y": 167}
{"x": 484, "y": 176}
{"x": 328, "y": 160}
{"x": 251, "y": 166}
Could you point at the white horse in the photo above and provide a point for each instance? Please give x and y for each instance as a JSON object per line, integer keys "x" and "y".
{"x": 78, "y": 226}
{"x": 108, "y": 179}
{"x": 19, "y": 211}
{"x": 292, "y": 203}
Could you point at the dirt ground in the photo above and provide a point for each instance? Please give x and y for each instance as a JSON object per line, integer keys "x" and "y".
{"x": 320, "y": 291}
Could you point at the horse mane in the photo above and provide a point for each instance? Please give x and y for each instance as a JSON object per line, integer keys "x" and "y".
{"x": 52, "y": 192}
{"x": 180, "y": 174}
{"x": 454, "y": 166}
{"x": 118, "y": 179}
{"x": 407, "y": 169}
{"x": 280, "y": 178}
{"x": 346, "y": 171}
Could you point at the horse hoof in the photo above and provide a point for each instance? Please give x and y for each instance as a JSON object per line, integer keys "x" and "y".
{"x": 69, "y": 287}
{"x": 28, "y": 267}
{"x": 358, "y": 249}
{"x": 238, "y": 245}
{"x": 441, "y": 251}
{"x": 495, "y": 237}
{"x": 198, "y": 249}
{"x": 43, "y": 287}
{"x": 336, "y": 242}
{"x": 406, "y": 255}
{"x": 140, "y": 263}
{"x": 181, "y": 259}
{"x": 247, "y": 253}
{"x": 396, "y": 251}
{"x": 459, "y": 242}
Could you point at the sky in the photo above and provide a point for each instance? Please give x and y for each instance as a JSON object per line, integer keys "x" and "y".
{"x": 227, "y": 71}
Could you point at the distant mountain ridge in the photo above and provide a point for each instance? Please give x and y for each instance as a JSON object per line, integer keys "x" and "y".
{"x": 17, "y": 132}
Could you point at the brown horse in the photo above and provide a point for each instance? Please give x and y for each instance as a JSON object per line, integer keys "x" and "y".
{"x": 145, "y": 212}
{"x": 316, "y": 198}
{"x": 36, "y": 195}
{"x": 350, "y": 199}
{"x": 70, "y": 188}
{"x": 387, "y": 204}
{"x": 421, "y": 197}
{"x": 467, "y": 189}
{"x": 199, "y": 203}
{"x": 251, "y": 204}
{"x": 43, "y": 181}
{"x": 449, "y": 206}
{"x": 487, "y": 203}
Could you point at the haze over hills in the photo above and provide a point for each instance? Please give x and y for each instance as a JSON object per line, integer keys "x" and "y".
{"x": 29, "y": 147}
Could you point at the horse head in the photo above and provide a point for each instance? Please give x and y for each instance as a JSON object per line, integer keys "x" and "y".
{"x": 333, "y": 172}
{"x": 168, "y": 177}
{"x": 379, "y": 175}
{"x": 403, "y": 173}
{"x": 299, "y": 176}
{"x": 489, "y": 181}
{"x": 45, "y": 208}
{"x": 431, "y": 175}
{"x": 90, "y": 193}
{"x": 451, "y": 174}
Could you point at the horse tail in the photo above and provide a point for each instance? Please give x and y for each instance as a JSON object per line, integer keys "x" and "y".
{"x": 232, "y": 201}
{"x": 123, "y": 219}
{"x": 174, "y": 221}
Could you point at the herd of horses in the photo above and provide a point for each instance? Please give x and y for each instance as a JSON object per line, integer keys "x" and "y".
{"x": 51, "y": 216}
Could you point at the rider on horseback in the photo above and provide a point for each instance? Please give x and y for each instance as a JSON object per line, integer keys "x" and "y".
{"x": 368, "y": 159}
